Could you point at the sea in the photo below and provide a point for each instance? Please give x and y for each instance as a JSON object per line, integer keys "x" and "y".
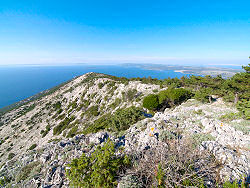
{"x": 20, "y": 82}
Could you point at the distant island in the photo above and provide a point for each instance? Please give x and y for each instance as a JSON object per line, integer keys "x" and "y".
{"x": 196, "y": 70}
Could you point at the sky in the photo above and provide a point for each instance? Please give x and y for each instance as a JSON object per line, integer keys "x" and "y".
{"x": 117, "y": 31}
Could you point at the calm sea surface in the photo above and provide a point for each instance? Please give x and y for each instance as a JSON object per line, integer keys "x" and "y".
{"x": 20, "y": 82}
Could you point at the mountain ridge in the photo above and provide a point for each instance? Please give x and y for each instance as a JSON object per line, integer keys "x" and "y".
{"x": 36, "y": 132}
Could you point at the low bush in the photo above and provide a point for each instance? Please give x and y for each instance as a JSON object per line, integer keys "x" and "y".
{"x": 33, "y": 146}
{"x": 116, "y": 103}
{"x": 92, "y": 111}
{"x": 151, "y": 102}
{"x": 166, "y": 98}
{"x": 100, "y": 169}
{"x": 230, "y": 116}
{"x": 244, "y": 107}
{"x": 63, "y": 125}
{"x": 57, "y": 105}
{"x": 173, "y": 96}
{"x": 72, "y": 132}
{"x": 203, "y": 95}
{"x": 10, "y": 156}
{"x": 122, "y": 119}
{"x": 100, "y": 85}
{"x": 130, "y": 94}
{"x": 46, "y": 131}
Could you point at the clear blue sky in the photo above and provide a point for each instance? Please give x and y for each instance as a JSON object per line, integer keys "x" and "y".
{"x": 110, "y": 31}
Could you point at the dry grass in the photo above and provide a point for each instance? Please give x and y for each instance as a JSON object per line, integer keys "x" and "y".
{"x": 180, "y": 165}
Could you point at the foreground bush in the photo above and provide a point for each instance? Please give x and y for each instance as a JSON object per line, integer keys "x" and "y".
{"x": 100, "y": 169}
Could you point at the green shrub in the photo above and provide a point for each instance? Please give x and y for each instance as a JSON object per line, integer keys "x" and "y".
{"x": 100, "y": 85}
{"x": 72, "y": 132}
{"x": 173, "y": 96}
{"x": 63, "y": 125}
{"x": 203, "y": 94}
{"x": 230, "y": 116}
{"x": 4, "y": 181}
{"x": 244, "y": 107}
{"x": 46, "y": 131}
{"x": 116, "y": 103}
{"x": 242, "y": 183}
{"x": 93, "y": 111}
{"x": 155, "y": 90}
{"x": 57, "y": 105}
{"x": 100, "y": 169}
{"x": 33, "y": 146}
{"x": 122, "y": 119}
{"x": 11, "y": 155}
{"x": 130, "y": 95}
{"x": 151, "y": 102}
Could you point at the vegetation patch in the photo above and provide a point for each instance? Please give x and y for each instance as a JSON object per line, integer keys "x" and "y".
{"x": 28, "y": 170}
{"x": 33, "y": 146}
{"x": 199, "y": 138}
{"x": 166, "y": 98}
{"x": 100, "y": 169}
{"x": 63, "y": 125}
{"x": 122, "y": 119}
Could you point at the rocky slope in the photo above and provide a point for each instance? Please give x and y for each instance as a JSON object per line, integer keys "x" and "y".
{"x": 38, "y": 139}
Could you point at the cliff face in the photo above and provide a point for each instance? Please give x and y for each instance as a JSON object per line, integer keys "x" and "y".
{"x": 46, "y": 134}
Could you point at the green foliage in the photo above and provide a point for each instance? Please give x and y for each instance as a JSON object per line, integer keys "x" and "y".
{"x": 244, "y": 107}
{"x": 155, "y": 90}
{"x": 160, "y": 176}
{"x": 242, "y": 183}
{"x": 100, "y": 169}
{"x": 116, "y": 103}
{"x": 203, "y": 94}
{"x": 173, "y": 96}
{"x": 63, "y": 125}
{"x": 72, "y": 132}
{"x": 33, "y": 146}
{"x": 100, "y": 85}
{"x": 11, "y": 155}
{"x": 57, "y": 105}
{"x": 199, "y": 112}
{"x": 243, "y": 126}
{"x": 130, "y": 94}
{"x": 93, "y": 111}
{"x": 4, "y": 181}
{"x": 46, "y": 131}
{"x": 122, "y": 119}
{"x": 151, "y": 102}
{"x": 230, "y": 116}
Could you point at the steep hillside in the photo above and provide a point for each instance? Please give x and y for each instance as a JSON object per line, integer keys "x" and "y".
{"x": 41, "y": 137}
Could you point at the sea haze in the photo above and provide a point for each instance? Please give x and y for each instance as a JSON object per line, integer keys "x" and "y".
{"x": 20, "y": 82}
